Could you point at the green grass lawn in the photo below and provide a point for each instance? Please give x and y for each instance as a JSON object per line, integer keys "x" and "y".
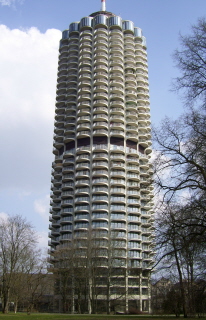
{"x": 46, "y": 316}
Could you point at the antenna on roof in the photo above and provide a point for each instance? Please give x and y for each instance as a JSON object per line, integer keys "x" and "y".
{"x": 103, "y": 5}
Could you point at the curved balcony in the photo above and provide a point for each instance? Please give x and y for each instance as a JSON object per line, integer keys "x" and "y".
{"x": 67, "y": 185}
{"x": 116, "y": 75}
{"x": 100, "y": 117}
{"x": 73, "y": 49}
{"x": 117, "y": 191}
{"x": 85, "y": 44}
{"x": 100, "y": 147}
{"x": 118, "y": 207}
{"x": 66, "y": 220}
{"x": 131, "y": 122}
{"x": 131, "y": 94}
{"x": 100, "y": 61}
{"x": 67, "y": 177}
{"x": 130, "y": 80}
{"x": 116, "y": 89}
{"x": 84, "y": 126}
{"x": 58, "y": 144}
{"x": 84, "y": 190}
{"x": 101, "y": 89}
{"x": 62, "y": 82}
{"x": 100, "y": 181}
{"x": 68, "y": 169}
{"x": 100, "y": 155}
{"x": 100, "y": 68}
{"x": 117, "y": 117}
{"x": 67, "y": 202}
{"x": 148, "y": 150}
{"x": 100, "y": 30}
{"x": 62, "y": 72}
{"x": 85, "y": 56}
{"x": 82, "y": 182}
{"x": 97, "y": 110}
{"x": 100, "y": 207}
{"x": 133, "y": 114}
{"x": 118, "y": 199}
{"x": 101, "y": 55}
{"x": 117, "y": 133}
{"x": 117, "y": 125}
{"x": 100, "y": 75}
{"x": 117, "y": 111}
{"x": 131, "y": 100}
{"x": 100, "y": 164}
{"x": 144, "y": 142}
{"x": 116, "y": 69}
{"x": 116, "y": 104}
{"x": 133, "y": 176}
{"x": 69, "y": 153}
{"x": 99, "y": 199}
{"x": 84, "y": 69}
{"x": 69, "y": 130}
{"x": 100, "y": 132}
{"x": 129, "y": 53}
{"x": 83, "y": 149}
{"x": 83, "y": 119}
{"x": 117, "y": 173}
{"x": 69, "y": 122}
{"x": 132, "y": 209}
{"x": 85, "y": 76}
{"x": 66, "y": 194}
{"x": 83, "y": 134}
{"x": 81, "y": 225}
{"x": 100, "y": 42}
{"x": 85, "y": 51}
{"x": 57, "y": 174}
{"x": 82, "y": 165}
{"x": 59, "y": 136}
{"x": 83, "y": 112}
{"x": 100, "y": 173}
{"x": 101, "y": 48}
{"x": 81, "y": 157}
{"x": 100, "y": 95}
{"x": 101, "y": 36}
{"x": 117, "y": 62}
{"x": 83, "y": 104}
{"x": 82, "y": 91}
{"x": 116, "y": 96}
{"x": 100, "y": 125}
{"x": 82, "y": 200}
{"x": 118, "y": 164}
{"x": 114, "y": 49}
{"x": 100, "y": 190}
{"x": 117, "y": 182}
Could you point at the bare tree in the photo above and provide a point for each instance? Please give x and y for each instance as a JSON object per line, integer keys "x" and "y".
{"x": 180, "y": 162}
{"x": 191, "y": 61}
{"x": 87, "y": 268}
{"x": 179, "y": 247}
{"x": 17, "y": 246}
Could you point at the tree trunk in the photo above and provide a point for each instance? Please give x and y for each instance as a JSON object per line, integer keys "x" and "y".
{"x": 182, "y": 290}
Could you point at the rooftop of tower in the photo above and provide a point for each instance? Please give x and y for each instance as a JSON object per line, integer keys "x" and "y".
{"x": 103, "y": 11}
{"x": 106, "y": 13}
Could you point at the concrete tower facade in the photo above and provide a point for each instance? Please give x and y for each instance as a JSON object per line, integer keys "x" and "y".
{"x": 101, "y": 177}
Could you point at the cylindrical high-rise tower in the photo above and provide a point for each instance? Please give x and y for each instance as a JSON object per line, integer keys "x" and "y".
{"x": 101, "y": 181}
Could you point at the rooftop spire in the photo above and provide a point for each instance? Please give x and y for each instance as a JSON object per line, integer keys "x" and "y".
{"x": 103, "y": 5}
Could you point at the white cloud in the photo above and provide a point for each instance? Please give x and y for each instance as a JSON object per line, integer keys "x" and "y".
{"x": 10, "y": 3}
{"x": 4, "y": 216}
{"x": 41, "y": 206}
{"x": 28, "y": 64}
{"x": 42, "y": 240}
